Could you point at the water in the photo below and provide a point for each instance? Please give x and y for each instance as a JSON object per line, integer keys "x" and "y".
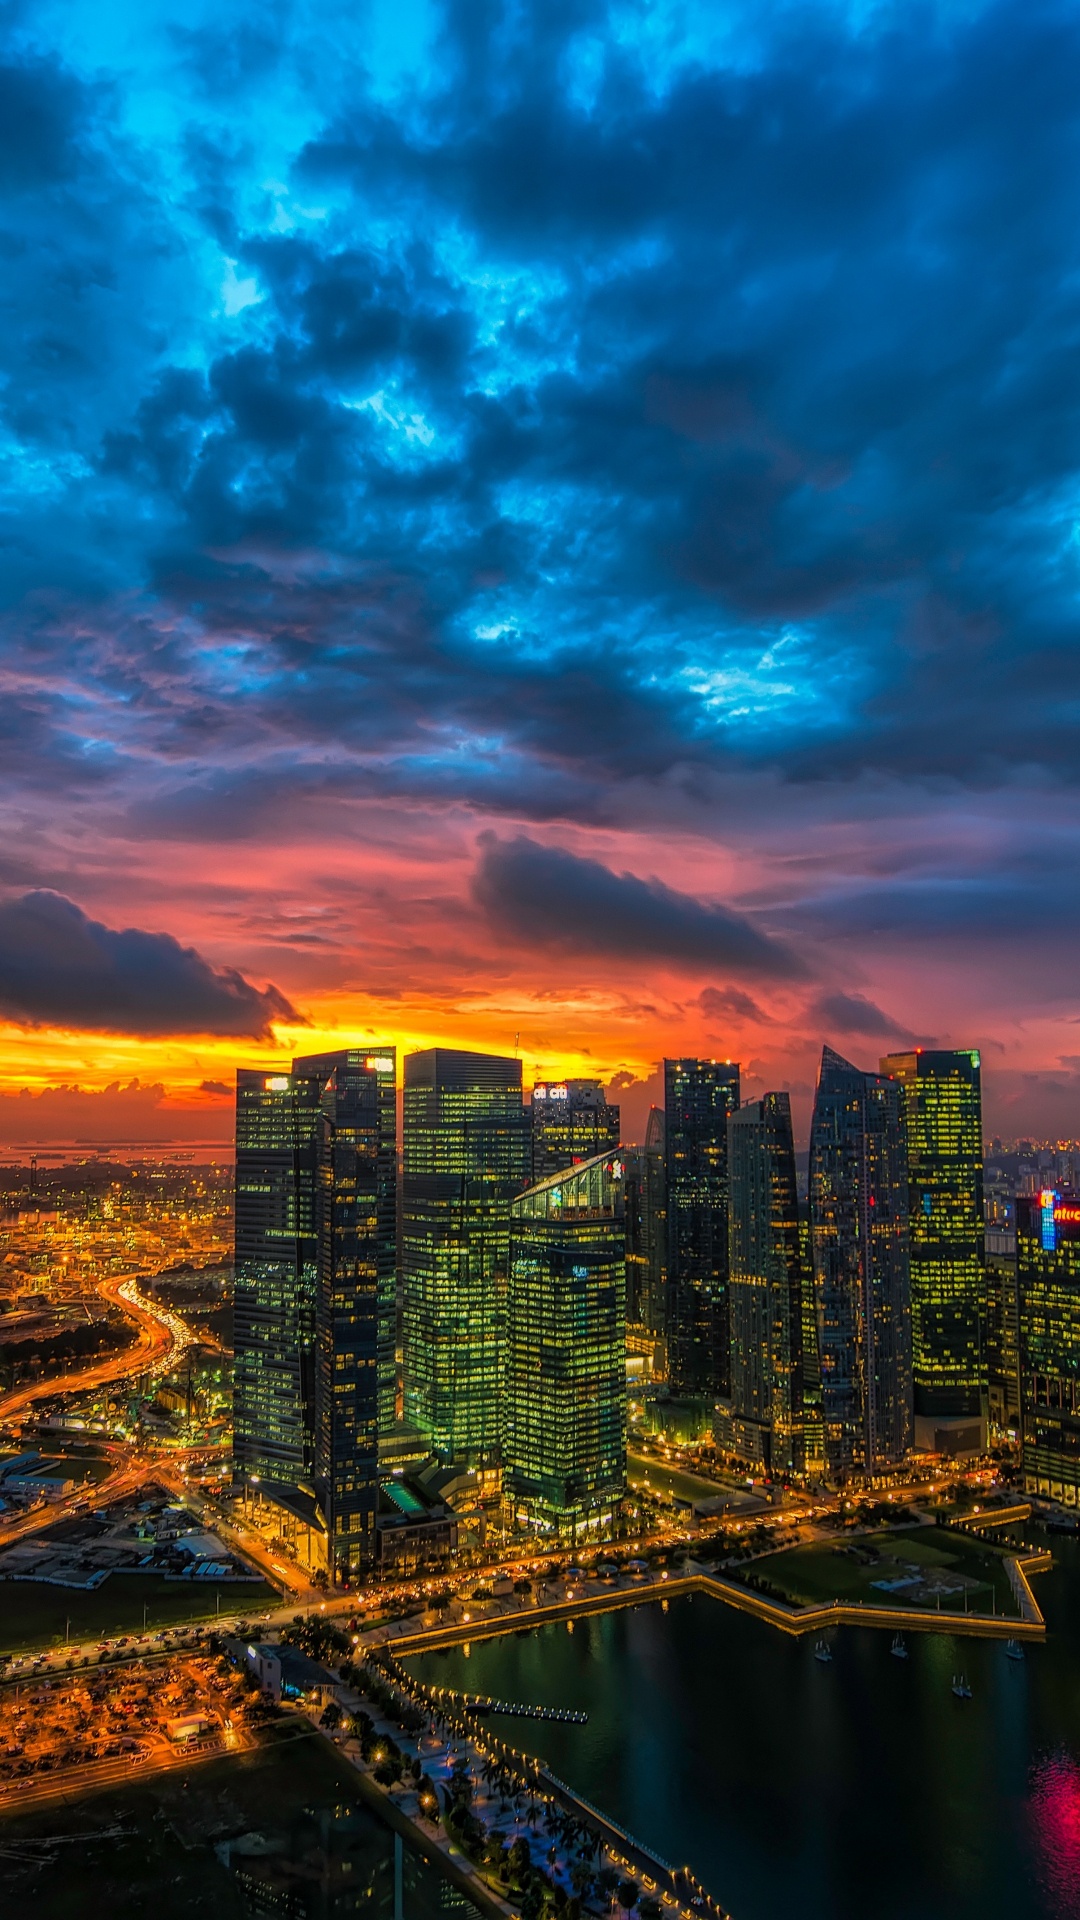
{"x": 858, "y": 1790}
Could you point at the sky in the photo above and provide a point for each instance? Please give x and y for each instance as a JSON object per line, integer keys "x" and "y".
{"x": 536, "y": 527}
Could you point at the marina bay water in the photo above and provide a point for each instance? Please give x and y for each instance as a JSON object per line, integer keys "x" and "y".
{"x": 854, "y": 1789}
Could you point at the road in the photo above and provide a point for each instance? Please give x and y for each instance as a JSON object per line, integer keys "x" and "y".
{"x": 161, "y": 1338}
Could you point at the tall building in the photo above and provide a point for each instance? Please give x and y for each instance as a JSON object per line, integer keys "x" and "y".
{"x": 571, "y": 1121}
{"x": 943, "y": 1115}
{"x": 1001, "y": 1325}
{"x": 275, "y": 1276}
{"x": 356, "y": 1302}
{"x": 859, "y": 1245}
{"x": 315, "y": 1286}
{"x": 566, "y": 1350}
{"x": 1048, "y": 1288}
{"x": 646, "y": 1247}
{"x": 699, "y": 1097}
{"x": 765, "y": 1288}
{"x": 466, "y": 1156}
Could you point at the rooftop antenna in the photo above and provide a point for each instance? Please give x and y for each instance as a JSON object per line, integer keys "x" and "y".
{"x": 517, "y": 1045}
{"x": 33, "y": 1173}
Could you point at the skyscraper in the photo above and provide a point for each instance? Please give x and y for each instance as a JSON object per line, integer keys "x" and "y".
{"x": 699, "y": 1097}
{"x": 943, "y": 1115}
{"x": 765, "y": 1287}
{"x": 315, "y": 1285}
{"x": 571, "y": 1121}
{"x": 355, "y": 1320}
{"x": 275, "y": 1276}
{"x": 858, "y": 1234}
{"x": 566, "y": 1350}
{"x": 1048, "y": 1287}
{"x": 466, "y": 1156}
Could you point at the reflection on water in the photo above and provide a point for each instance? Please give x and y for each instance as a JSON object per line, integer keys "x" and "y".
{"x": 1054, "y": 1812}
{"x": 860, "y": 1789}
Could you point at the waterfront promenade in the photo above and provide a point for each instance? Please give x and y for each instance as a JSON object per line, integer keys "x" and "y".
{"x": 404, "y": 1636}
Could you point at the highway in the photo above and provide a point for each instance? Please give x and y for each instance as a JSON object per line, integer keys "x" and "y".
{"x": 162, "y": 1337}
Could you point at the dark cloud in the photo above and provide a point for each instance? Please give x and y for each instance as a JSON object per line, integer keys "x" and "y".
{"x": 599, "y": 418}
{"x": 59, "y": 968}
{"x": 853, "y": 1013}
{"x": 546, "y": 897}
{"x": 730, "y": 1003}
{"x": 216, "y": 1087}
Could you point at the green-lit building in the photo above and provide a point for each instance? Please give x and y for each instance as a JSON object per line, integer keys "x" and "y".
{"x": 699, "y": 1097}
{"x": 942, "y": 1095}
{"x": 566, "y": 1351}
{"x": 1048, "y": 1290}
{"x": 466, "y": 1154}
{"x": 762, "y": 1422}
{"x": 315, "y": 1308}
{"x": 571, "y": 1121}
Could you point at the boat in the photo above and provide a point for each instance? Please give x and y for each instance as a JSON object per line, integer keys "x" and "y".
{"x": 960, "y": 1687}
{"x": 899, "y": 1647}
{"x": 1013, "y": 1650}
{"x": 823, "y": 1652}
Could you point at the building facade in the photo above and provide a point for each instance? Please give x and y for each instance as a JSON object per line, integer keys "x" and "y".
{"x": 765, "y": 1289}
{"x": 942, "y": 1094}
{"x": 699, "y": 1098}
{"x": 466, "y": 1155}
{"x": 356, "y": 1300}
{"x": 859, "y": 1247}
{"x": 1048, "y": 1289}
{"x": 566, "y": 1351}
{"x": 275, "y": 1276}
{"x": 315, "y": 1310}
{"x": 571, "y": 1121}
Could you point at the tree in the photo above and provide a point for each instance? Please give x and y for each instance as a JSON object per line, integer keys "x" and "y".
{"x": 626, "y": 1893}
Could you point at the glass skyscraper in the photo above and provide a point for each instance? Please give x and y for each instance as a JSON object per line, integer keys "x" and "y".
{"x": 275, "y": 1276}
{"x": 859, "y": 1244}
{"x": 943, "y": 1116}
{"x": 566, "y": 1350}
{"x": 699, "y": 1097}
{"x": 1048, "y": 1287}
{"x": 356, "y": 1303}
{"x": 315, "y": 1285}
{"x": 466, "y": 1156}
{"x": 571, "y": 1121}
{"x": 765, "y": 1288}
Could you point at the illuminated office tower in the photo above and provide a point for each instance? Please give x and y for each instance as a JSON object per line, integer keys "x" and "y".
{"x": 466, "y": 1156}
{"x": 571, "y": 1121}
{"x": 275, "y": 1276}
{"x": 356, "y": 1304}
{"x": 859, "y": 1247}
{"x": 943, "y": 1117}
{"x": 765, "y": 1288}
{"x": 566, "y": 1351}
{"x": 699, "y": 1097}
{"x": 314, "y": 1290}
{"x": 1048, "y": 1287}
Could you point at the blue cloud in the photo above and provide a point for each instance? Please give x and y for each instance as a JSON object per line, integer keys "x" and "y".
{"x": 556, "y": 408}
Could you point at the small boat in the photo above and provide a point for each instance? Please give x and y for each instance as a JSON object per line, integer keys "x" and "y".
{"x": 823, "y": 1652}
{"x": 899, "y": 1649}
{"x": 960, "y": 1687}
{"x": 1013, "y": 1650}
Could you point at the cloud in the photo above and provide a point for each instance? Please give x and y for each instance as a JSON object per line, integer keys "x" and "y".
{"x": 216, "y": 1087}
{"x": 731, "y": 1003}
{"x": 116, "y": 1113}
{"x": 853, "y": 1013}
{"x": 539, "y": 895}
{"x": 59, "y": 968}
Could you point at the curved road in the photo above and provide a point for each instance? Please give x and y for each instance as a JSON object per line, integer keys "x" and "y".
{"x": 162, "y": 1337}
